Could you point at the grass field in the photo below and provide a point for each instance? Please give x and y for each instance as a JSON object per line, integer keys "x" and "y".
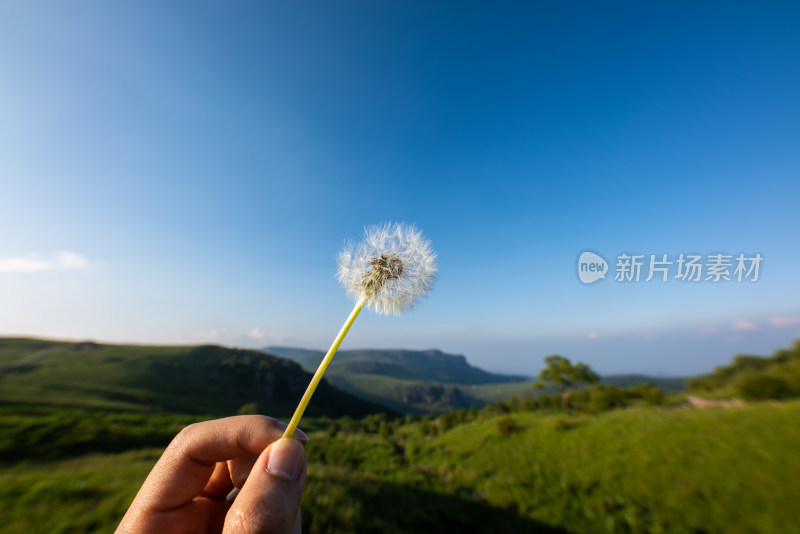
{"x": 82, "y": 424}
{"x": 643, "y": 470}
{"x": 646, "y": 470}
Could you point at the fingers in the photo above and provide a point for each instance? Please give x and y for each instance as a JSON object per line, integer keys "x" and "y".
{"x": 188, "y": 462}
{"x": 229, "y": 475}
{"x": 220, "y": 484}
{"x": 193, "y": 465}
{"x": 270, "y": 499}
{"x": 240, "y": 468}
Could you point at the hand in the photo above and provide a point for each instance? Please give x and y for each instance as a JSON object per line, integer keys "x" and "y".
{"x": 198, "y": 484}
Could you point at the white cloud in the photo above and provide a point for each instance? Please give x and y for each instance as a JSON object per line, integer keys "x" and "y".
{"x": 255, "y": 337}
{"x": 209, "y": 335}
{"x": 256, "y": 334}
{"x": 785, "y": 321}
{"x": 23, "y": 265}
{"x": 60, "y": 261}
{"x": 70, "y": 260}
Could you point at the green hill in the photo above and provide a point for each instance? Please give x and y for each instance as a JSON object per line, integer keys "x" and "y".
{"x": 204, "y": 379}
{"x": 756, "y": 377}
{"x": 82, "y": 424}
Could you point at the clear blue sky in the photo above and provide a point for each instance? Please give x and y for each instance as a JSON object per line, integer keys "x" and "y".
{"x": 187, "y": 173}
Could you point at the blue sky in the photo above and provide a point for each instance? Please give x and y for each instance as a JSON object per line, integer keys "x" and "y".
{"x": 187, "y": 173}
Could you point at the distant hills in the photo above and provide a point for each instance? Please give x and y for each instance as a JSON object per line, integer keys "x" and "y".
{"x": 668, "y": 384}
{"x": 427, "y": 365}
{"x": 204, "y": 379}
{"x": 408, "y": 381}
{"x": 218, "y": 381}
{"x": 429, "y": 381}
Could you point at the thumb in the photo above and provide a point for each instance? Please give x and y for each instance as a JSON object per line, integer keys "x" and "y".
{"x": 269, "y": 501}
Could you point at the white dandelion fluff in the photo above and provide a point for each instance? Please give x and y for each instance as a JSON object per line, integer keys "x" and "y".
{"x": 391, "y": 269}
{"x": 388, "y": 272}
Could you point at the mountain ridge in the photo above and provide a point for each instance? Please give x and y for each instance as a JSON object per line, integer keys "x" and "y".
{"x": 431, "y": 365}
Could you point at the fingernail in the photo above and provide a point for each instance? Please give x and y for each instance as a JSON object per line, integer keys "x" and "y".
{"x": 298, "y": 434}
{"x": 286, "y": 459}
{"x": 301, "y": 436}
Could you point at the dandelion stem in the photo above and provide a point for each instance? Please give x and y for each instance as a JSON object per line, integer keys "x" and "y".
{"x": 298, "y": 413}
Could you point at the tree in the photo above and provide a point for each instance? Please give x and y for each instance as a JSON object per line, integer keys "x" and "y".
{"x": 560, "y": 371}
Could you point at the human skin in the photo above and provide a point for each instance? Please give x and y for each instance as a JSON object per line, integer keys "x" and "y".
{"x": 234, "y": 475}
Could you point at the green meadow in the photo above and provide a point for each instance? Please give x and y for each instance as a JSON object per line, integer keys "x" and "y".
{"x": 621, "y": 461}
{"x": 633, "y": 470}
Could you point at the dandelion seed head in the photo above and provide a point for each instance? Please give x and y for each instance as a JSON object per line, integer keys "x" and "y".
{"x": 392, "y": 268}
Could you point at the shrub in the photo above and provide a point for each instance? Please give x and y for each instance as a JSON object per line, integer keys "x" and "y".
{"x": 332, "y": 430}
{"x": 506, "y": 426}
{"x": 448, "y": 421}
{"x": 782, "y": 366}
{"x": 562, "y": 423}
{"x": 502, "y": 407}
{"x": 754, "y": 386}
{"x": 372, "y": 423}
{"x": 602, "y": 398}
{"x": 528, "y": 403}
{"x": 426, "y": 427}
{"x": 650, "y": 394}
{"x": 384, "y": 431}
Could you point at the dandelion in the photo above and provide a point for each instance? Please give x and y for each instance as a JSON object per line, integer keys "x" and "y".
{"x": 389, "y": 272}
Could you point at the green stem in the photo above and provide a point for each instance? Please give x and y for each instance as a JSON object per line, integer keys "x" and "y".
{"x": 298, "y": 413}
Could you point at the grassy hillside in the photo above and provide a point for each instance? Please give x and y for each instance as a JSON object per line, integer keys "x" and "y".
{"x": 756, "y": 377}
{"x": 638, "y": 471}
{"x": 200, "y": 379}
{"x": 82, "y": 424}
{"x": 635, "y": 470}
